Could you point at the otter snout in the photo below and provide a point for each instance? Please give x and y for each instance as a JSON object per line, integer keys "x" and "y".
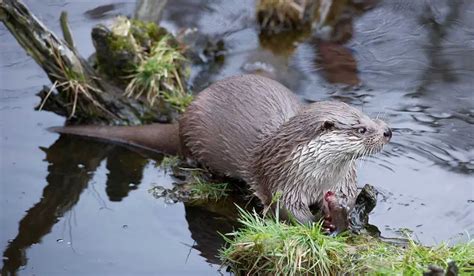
{"x": 386, "y": 131}
{"x": 387, "y": 134}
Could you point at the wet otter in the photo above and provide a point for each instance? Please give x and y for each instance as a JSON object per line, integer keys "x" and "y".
{"x": 255, "y": 129}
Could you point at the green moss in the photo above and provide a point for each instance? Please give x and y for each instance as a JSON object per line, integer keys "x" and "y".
{"x": 148, "y": 62}
{"x": 146, "y": 33}
{"x": 267, "y": 246}
{"x": 179, "y": 102}
{"x": 119, "y": 57}
{"x": 120, "y": 43}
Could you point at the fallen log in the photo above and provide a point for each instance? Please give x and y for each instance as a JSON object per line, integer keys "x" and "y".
{"x": 79, "y": 92}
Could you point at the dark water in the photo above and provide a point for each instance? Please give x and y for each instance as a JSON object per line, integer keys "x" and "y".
{"x": 71, "y": 206}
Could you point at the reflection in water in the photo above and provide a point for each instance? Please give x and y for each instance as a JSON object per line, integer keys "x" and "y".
{"x": 337, "y": 63}
{"x": 149, "y": 10}
{"x": 72, "y": 162}
{"x": 332, "y": 29}
{"x": 422, "y": 52}
{"x": 125, "y": 172}
{"x": 207, "y": 222}
{"x": 68, "y": 175}
{"x": 439, "y": 67}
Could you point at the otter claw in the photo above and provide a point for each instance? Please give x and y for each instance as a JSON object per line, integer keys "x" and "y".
{"x": 328, "y": 227}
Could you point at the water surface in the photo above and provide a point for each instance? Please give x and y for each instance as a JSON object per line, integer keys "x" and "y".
{"x": 73, "y": 206}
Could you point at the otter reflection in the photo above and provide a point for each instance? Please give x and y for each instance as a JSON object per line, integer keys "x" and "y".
{"x": 72, "y": 163}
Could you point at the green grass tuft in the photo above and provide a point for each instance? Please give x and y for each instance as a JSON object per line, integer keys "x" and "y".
{"x": 157, "y": 76}
{"x": 266, "y": 246}
{"x": 169, "y": 162}
{"x": 269, "y": 247}
{"x": 202, "y": 190}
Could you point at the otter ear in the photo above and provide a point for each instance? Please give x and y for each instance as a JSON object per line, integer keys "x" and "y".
{"x": 327, "y": 125}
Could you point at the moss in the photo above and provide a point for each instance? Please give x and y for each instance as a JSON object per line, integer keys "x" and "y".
{"x": 147, "y": 62}
{"x": 117, "y": 57}
{"x": 120, "y": 43}
{"x": 267, "y": 246}
{"x": 179, "y": 102}
{"x": 146, "y": 33}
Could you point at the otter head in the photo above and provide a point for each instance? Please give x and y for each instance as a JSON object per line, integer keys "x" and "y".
{"x": 314, "y": 152}
{"x": 345, "y": 133}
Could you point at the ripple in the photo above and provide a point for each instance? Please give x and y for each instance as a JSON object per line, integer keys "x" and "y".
{"x": 423, "y": 118}
{"x": 414, "y": 108}
{"x": 440, "y": 115}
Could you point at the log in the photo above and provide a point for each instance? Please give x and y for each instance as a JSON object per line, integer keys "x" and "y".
{"x": 78, "y": 91}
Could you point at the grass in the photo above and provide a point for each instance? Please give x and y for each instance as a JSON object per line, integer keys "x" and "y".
{"x": 169, "y": 162}
{"x": 72, "y": 81}
{"x": 195, "y": 185}
{"x": 379, "y": 257}
{"x": 157, "y": 77}
{"x": 265, "y": 246}
{"x": 203, "y": 190}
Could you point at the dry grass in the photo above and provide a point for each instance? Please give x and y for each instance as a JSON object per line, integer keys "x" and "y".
{"x": 72, "y": 81}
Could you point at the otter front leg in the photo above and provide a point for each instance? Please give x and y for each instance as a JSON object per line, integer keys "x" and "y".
{"x": 300, "y": 212}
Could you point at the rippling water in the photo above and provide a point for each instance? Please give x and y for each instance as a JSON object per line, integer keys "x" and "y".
{"x": 70, "y": 206}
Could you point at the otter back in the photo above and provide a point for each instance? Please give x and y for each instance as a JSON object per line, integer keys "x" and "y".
{"x": 227, "y": 120}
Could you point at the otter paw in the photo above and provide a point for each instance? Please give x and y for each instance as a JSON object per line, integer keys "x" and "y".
{"x": 328, "y": 226}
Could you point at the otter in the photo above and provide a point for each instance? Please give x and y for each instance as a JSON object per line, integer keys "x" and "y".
{"x": 255, "y": 129}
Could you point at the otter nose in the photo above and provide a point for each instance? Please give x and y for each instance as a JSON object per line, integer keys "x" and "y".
{"x": 387, "y": 134}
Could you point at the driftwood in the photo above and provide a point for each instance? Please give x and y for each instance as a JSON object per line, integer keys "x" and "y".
{"x": 78, "y": 91}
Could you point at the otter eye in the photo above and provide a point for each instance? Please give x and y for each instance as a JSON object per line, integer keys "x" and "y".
{"x": 361, "y": 130}
{"x": 328, "y": 125}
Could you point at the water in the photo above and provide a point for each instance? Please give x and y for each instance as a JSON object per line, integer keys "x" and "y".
{"x": 72, "y": 206}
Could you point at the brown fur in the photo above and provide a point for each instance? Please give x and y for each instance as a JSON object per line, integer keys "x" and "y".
{"x": 154, "y": 137}
{"x": 225, "y": 123}
{"x": 255, "y": 129}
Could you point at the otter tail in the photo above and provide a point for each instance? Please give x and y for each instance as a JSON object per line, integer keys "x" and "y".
{"x": 162, "y": 138}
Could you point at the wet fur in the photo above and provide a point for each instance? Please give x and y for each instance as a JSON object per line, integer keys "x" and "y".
{"x": 255, "y": 129}
{"x": 229, "y": 119}
{"x": 163, "y": 138}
